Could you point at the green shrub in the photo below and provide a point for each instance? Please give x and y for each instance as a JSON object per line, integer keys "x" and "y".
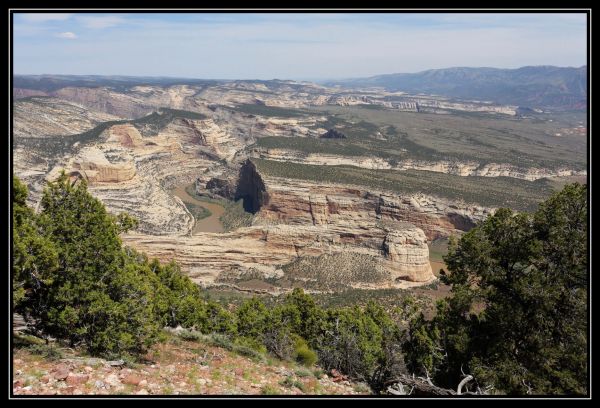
{"x": 532, "y": 275}
{"x": 302, "y": 372}
{"x": 269, "y": 390}
{"x": 219, "y": 340}
{"x": 352, "y": 343}
{"x": 251, "y": 318}
{"x": 251, "y": 343}
{"x": 216, "y": 319}
{"x": 88, "y": 293}
{"x": 249, "y": 352}
{"x": 48, "y": 351}
{"x": 189, "y": 335}
{"x": 303, "y": 354}
{"x": 289, "y": 382}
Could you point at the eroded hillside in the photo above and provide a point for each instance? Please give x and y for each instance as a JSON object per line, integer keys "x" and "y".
{"x": 295, "y": 208}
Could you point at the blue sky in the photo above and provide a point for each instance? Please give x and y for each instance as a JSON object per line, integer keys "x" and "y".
{"x": 290, "y": 46}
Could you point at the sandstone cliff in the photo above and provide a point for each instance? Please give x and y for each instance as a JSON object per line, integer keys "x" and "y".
{"x": 265, "y": 249}
{"x": 457, "y": 168}
{"x": 298, "y": 202}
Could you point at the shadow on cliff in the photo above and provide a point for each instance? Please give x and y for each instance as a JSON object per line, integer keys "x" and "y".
{"x": 251, "y": 188}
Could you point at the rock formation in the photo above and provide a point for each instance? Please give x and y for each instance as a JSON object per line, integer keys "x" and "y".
{"x": 265, "y": 249}
{"x": 136, "y": 146}
{"x": 94, "y": 166}
{"x": 333, "y": 134}
{"x": 251, "y": 188}
{"x": 457, "y": 168}
{"x": 298, "y": 202}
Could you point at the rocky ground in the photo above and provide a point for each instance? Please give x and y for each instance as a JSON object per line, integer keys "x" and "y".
{"x": 175, "y": 367}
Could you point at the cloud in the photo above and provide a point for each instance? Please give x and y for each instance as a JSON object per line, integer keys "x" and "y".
{"x": 43, "y": 17}
{"x": 100, "y": 21}
{"x": 303, "y": 46}
{"x": 67, "y": 35}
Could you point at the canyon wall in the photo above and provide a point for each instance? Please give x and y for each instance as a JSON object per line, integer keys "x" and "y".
{"x": 205, "y": 257}
{"x": 464, "y": 169}
{"x": 298, "y": 202}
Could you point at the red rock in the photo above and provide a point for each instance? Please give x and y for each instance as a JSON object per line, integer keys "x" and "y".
{"x": 17, "y": 384}
{"x": 239, "y": 372}
{"x": 61, "y": 373}
{"x": 45, "y": 379}
{"x": 337, "y": 376}
{"x": 67, "y": 391}
{"x": 131, "y": 379}
{"x": 76, "y": 379}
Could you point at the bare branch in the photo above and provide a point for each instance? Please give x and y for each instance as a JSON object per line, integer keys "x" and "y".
{"x": 462, "y": 383}
{"x": 428, "y": 379}
{"x": 420, "y": 386}
{"x": 528, "y": 387}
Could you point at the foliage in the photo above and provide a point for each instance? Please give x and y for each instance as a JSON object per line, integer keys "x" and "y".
{"x": 48, "y": 351}
{"x": 517, "y": 317}
{"x": 364, "y": 343}
{"x": 303, "y": 354}
{"x": 35, "y": 257}
{"x": 73, "y": 280}
{"x": 77, "y": 283}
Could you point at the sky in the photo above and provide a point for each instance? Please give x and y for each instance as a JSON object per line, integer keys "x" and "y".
{"x": 290, "y": 46}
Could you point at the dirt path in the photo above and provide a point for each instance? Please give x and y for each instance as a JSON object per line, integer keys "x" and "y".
{"x": 208, "y": 224}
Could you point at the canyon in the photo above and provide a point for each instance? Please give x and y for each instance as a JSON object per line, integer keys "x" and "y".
{"x": 160, "y": 153}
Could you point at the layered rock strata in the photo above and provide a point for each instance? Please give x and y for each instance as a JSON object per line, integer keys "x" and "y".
{"x": 297, "y": 202}
{"x": 403, "y": 253}
{"x": 456, "y": 168}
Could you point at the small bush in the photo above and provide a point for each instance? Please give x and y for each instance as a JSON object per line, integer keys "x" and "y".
{"x": 251, "y": 343}
{"x": 318, "y": 373}
{"x": 306, "y": 356}
{"x": 249, "y": 352}
{"x": 249, "y": 347}
{"x": 26, "y": 340}
{"x": 190, "y": 335}
{"x": 269, "y": 390}
{"x": 303, "y": 354}
{"x": 47, "y": 351}
{"x": 302, "y": 373}
{"x": 290, "y": 382}
{"x": 219, "y": 340}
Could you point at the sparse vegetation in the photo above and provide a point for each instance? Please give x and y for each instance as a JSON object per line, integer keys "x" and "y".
{"x": 148, "y": 126}
{"x": 333, "y": 272}
{"x": 234, "y": 215}
{"x": 519, "y": 283}
{"x": 461, "y": 136}
{"x": 269, "y": 111}
{"x": 269, "y": 390}
{"x": 197, "y": 211}
{"x": 152, "y": 124}
{"x": 496, "y": 192}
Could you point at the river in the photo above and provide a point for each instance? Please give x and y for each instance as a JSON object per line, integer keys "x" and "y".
{"x": 208, "y": 224}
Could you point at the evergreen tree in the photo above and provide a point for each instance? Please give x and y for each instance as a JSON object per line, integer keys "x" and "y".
{"x": 517, "y": 317}
{"x": 89, "y": 294}
{"x": 35, "y": 257}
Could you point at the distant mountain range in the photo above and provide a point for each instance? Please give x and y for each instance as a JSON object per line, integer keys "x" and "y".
{"x": 534, "y": 86}
{"x": 545, "y": 87}
{"x": 49, "y": 83}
